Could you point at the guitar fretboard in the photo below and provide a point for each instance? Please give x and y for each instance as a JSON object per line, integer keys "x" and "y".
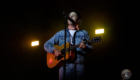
{"x": 72, "y": 48}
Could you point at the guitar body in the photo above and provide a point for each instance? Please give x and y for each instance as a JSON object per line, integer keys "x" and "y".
{"x": 57, "y": 62}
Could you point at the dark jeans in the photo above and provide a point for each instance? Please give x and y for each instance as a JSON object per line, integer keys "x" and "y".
{"x": 73, "y": 72}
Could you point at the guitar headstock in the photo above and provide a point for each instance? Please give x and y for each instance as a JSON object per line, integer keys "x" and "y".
{"x": 96, "y": 39}
{"x": 93, "y": 40}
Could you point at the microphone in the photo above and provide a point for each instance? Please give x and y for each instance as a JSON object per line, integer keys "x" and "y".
{"x": 68, "y": 18}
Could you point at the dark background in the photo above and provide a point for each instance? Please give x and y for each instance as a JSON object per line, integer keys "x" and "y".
{"x": 23, "y": 22}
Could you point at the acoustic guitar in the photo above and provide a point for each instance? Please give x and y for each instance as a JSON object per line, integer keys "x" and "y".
{"x": 57, "y": 62}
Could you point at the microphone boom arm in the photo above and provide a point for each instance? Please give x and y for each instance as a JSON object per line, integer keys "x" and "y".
{"x": 69, "y": 18}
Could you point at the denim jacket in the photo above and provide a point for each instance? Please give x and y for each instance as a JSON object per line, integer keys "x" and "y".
{"x": 59, "y": 38}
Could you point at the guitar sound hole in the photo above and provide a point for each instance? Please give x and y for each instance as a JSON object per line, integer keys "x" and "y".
{"x": 59, "y": 57}
{"x": 63, "y": 50}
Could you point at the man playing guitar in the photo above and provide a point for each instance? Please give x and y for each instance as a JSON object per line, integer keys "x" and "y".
{"x": 74, "y": 69}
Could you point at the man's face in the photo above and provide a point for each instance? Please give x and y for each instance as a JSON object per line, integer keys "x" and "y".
{"x": 73, "y": 16}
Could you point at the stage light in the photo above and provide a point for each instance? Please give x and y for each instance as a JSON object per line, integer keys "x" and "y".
{"x": 34, "y": 43}
{"x": 99, "y": 31}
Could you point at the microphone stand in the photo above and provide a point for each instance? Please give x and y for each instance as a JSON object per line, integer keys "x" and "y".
{"x": 64, "y": 67}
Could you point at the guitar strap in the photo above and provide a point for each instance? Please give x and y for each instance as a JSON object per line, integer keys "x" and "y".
{"x": 84, "y": 34}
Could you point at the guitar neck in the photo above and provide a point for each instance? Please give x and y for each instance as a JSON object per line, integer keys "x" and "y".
{"x": 93, "y": 40}
{"x": 74, "y": 47}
